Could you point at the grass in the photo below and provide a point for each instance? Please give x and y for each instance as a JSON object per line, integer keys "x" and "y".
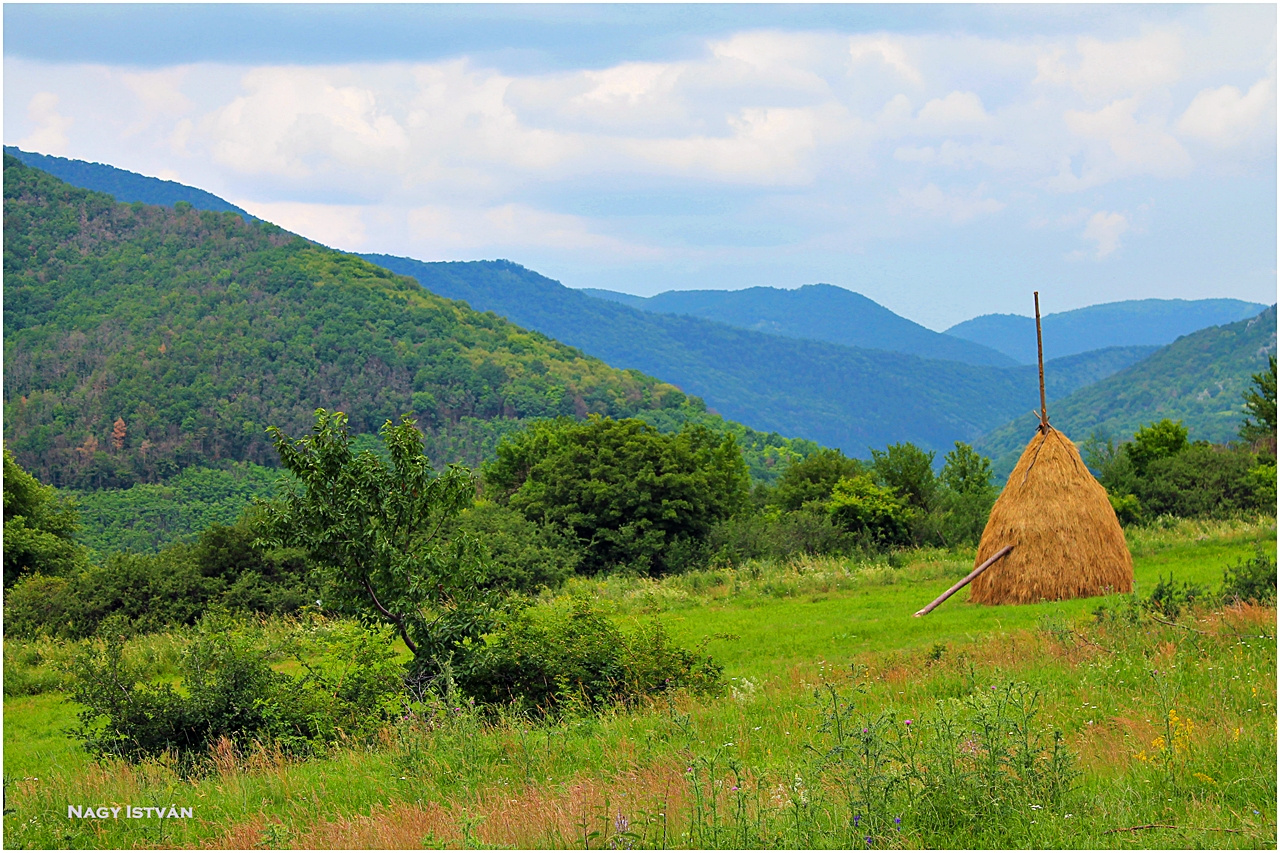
{"x": 1171, "y": 729}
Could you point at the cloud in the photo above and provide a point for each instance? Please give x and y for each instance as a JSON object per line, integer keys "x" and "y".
{"x": 440, "y": 230}
{"x": 890, "y": 52}
{"x": 1103, "y": 230}
{"x": 1105, "y": 70}
{"x": 1120, "y": 145}
{"x": 296, "y": 122}
{"x": 338, "y": 226}
{"x": 1225, "y": 118}
{"x": 954, "y": 206}
{"x": 957, "y": 112}
{"x": 50, "y": 133}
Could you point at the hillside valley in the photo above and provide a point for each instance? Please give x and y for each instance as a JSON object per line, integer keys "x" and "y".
{"x": 1199, "y": 379}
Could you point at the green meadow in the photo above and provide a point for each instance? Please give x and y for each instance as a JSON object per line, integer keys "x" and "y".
{"x": 846, "y": 723}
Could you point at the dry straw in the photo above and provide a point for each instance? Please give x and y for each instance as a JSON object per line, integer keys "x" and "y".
{"x": 1067, "y": 540}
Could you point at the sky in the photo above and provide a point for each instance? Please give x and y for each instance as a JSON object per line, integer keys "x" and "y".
{"x": 942, "y": 160}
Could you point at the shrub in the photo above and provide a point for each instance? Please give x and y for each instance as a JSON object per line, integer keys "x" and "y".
{"x": 1128, "y": 508}
{"x": 624, "y": 490}
{"x": 544, "y": 659}
{"x": 1201, "y": 481}
{"x": 874, "y": 514}
{"x": 812, "y": 479}
{"x": 524, "y": 557}
{"x": 779, "y": 534}
{"x": 1252, "y": 580}
{"x": 907, "y": 470}
{"x": 1160, "y": 440}
{"x": 39, "y": 605}
{"x": 229, "y": 690}
{"x": 1169, "y": 597}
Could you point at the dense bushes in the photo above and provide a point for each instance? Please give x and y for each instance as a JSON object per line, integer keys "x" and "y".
{"x": 1162, "y": 472}
{"x": 152, "y": 592}
{"x": 829, "y": 503}
{"x": 230, "y": 691}
{"x": 574, "y": 655}
{"x": 39, "y": 527}
{"x": 633, "y": 498}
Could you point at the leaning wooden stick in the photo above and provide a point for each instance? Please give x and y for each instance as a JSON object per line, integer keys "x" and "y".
{"x": 963, "y": 582}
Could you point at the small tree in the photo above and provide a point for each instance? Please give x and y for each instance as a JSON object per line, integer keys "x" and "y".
{"x": 378, "y": 529}
{"x": 909, "y": 470}
{"x": 1260, "y": 402}
{"x": 38, "y": 527}
{"x": 1156, "y": 441}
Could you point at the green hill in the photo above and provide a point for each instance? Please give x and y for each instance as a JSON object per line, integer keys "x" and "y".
{"x": 819, "y": 312}
{"x": 1136, "y": 322}
{"x": 141, "y": 340}
{"x": 123, "y": 185}
{"x": 1199, "y": 379}
{"x": 840, "y": 396}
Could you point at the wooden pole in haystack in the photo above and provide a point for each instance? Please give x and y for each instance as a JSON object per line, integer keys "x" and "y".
{"x": 1044, "y": 413}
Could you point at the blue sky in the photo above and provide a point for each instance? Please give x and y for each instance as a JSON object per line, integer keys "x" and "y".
{"x": 943, "y": 160}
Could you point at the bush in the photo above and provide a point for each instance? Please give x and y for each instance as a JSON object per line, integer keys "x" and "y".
{"x": 1128, "y": 508}
{"x": 637, "y": 499}
{"x": 874, "y": 514}
{"x": 39, "y": 605}
{"x": 779, "y": 534}
{"x": 548, "y": 658}
{"x": 1252, "y": 580}
{"x": 523, "y": 557}
{"x": 229, "y": 690}
{"x": 1202, "y": 481}
{"x": 812, "y": 479}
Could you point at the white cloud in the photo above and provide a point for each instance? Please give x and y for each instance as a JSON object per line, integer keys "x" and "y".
{"x": 954, "y": 206}
{"x": 295, "y": 122}
{"x": 1225, "y": 118}
{"x": 336, "y": 225}
{"x": 1120, "y": 145}
{"x": 887, "y": 50}
{"x": 1104, "y": 231}
{"x": 957, "y": 112}
{"x": 1105, "y": 70}
{"x": 439, "y": 230}
{"x": 50, "y": 133}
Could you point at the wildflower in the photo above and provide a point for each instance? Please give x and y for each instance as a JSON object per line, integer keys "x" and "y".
{"x": 897, "y": 821}
{"x": 908, "y": 722}
{"x": 868, "y": 840}
{"x": 858, "y": 817}
{"x": 620, "y": 823}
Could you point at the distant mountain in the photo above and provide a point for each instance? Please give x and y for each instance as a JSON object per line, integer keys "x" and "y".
{"x": 122, "y": 185}
{"x": 1146, "y": 322}
{"x": 819, "y": 312}
{"x": 1199, "y": 379}
{"x": 614, "y": 296}
{"x": 840, "y": 396}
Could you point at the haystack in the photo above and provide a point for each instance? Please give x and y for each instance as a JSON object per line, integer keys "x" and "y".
{"x": 1067, "y": 540}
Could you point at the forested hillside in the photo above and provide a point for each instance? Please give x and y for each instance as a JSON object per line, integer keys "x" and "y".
{"x": 1134, "y": 322}
{"x": 845, "y": 397}
{"x": 819, "y": 312}
{"x": 1199, "y": 379}
{"x": 140, "y": 340}
{"x": 121, "y": 184}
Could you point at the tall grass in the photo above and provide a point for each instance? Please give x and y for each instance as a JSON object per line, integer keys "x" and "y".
{"x": 1105, "y": 728}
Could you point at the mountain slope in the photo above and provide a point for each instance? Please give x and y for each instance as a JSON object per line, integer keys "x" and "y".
{"x": 140, "y": 340}
{"x": 1199, "y": 379}
{"x": 122, "y": 185}
{"x": 840, "y": 396}
{"x": 1142, "y": 322}
{"x": 819, "y": 312}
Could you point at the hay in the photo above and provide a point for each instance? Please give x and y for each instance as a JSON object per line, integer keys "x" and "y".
{"x": 1067, "y": 541}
